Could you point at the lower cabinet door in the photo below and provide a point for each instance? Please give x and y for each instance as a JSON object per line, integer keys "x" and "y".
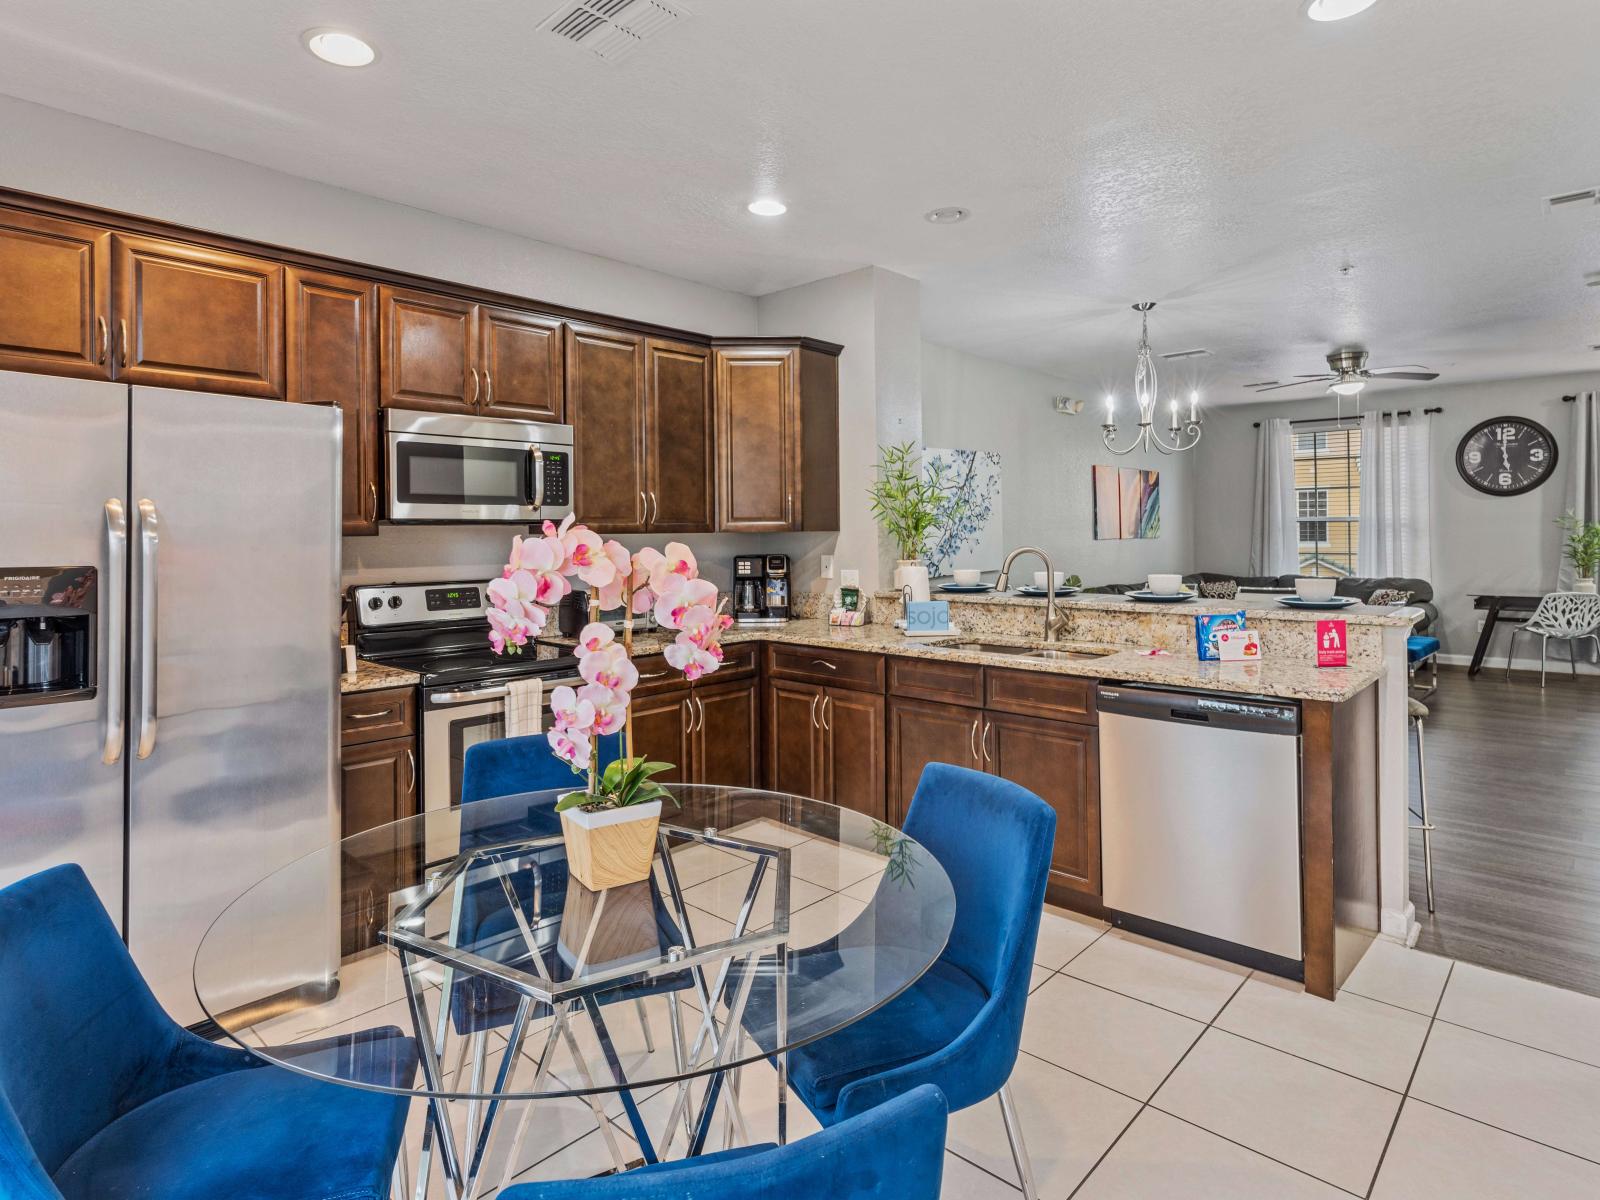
{"x": 923, "y": 732}
{"x": 853, "y": 732}
{"x": 1058, "y": 761}
{"x": 661, "y": 733}
{"x": 378, "y": 784}
{"x": 727, "y": 724}
{"x": 795, "y": 738}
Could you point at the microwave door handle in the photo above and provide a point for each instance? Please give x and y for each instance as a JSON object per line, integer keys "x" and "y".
{"x": 536, "y": 477}
{"x": 149, "y": 592}
{"x": 116, "y": 603}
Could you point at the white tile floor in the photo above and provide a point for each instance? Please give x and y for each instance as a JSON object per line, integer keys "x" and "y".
{"x": 1151, "y": 1072}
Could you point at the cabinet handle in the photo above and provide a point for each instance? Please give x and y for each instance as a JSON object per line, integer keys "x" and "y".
{"x": 655, "y": 508}
{"x": 814, "y": 700}
{"x": 387, "y": 714}
{"x": 652, "y": 675}
{"x": 412, "y": 759}
{"x": 105, "y": 339}
{"x": 788, "y": 507}
{"x": 984, "y": 742}
{"x": 122, "y": 340}
{"x": 474, "y": 371}
{"x": 972, "y": 741}
{"x": 644, "y": 509}
{"x": 488, "y": 387}
{"x": 827, "y": 707}
{"x": 372, "y": 492}
{"x": 822, "y": 662}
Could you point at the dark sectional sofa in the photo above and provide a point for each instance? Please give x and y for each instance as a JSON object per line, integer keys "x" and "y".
{"x": 1421, "y": 590}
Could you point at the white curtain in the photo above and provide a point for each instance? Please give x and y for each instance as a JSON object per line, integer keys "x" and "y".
{"x": 1396, "y": 488}
{"x": 1583, "y": 475}
{"x": 1274, "y": 528}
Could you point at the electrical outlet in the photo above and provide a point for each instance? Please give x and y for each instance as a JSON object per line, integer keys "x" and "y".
{"x": 827, "y": 566}
{"x": 850, "y": 579}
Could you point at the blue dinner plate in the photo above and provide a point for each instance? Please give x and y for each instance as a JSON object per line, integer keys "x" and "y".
{"x": 966, "y": 587}
{"x": 1300, "y": 602}
{"x": 1030, "y": 590}
{"x": 1161, "y": 597}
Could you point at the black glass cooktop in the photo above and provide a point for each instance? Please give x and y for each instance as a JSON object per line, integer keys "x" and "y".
{"x": 472, "y": 666}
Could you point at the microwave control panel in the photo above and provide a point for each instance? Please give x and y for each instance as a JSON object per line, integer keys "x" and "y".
{"x": 557, "y": 478}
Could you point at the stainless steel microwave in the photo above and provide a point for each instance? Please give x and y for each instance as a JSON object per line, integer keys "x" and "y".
{"x": 450, "y": 468}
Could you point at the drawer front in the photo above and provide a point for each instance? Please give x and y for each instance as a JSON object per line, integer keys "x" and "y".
{"x": 656, "y": 675}
{"x": 950, "y": 682}
{"x": 853, "y": 669}
{"x": 1038, "y": 694}
{"x": 373, "y": 716}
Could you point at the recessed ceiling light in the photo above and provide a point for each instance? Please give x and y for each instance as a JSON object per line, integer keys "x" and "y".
{"x": 946, "y": 216}
{"x": 339, "y": 48}
{"x": 1336, "y": 10}
{"x": 768, "y": 208}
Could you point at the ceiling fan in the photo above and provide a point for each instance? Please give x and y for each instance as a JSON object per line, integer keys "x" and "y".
{"x": 1348, "y": 374}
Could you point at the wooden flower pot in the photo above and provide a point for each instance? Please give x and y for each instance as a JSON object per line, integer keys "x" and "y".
{"x": 611, "y": 848}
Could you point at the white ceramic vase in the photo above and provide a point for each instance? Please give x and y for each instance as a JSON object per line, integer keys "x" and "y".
{"x": 1584, "y": 585}
{"x": 909, "y": 572}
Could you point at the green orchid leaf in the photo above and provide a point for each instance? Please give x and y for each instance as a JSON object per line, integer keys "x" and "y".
{"x": 572, "y": 800}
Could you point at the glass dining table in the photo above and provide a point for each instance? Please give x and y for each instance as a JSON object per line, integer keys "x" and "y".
{"x": 768, "y": 921}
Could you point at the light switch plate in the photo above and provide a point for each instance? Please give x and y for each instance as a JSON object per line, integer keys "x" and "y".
{"x": 827, "y": 566}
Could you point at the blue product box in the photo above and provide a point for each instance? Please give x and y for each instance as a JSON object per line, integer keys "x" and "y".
{"x": 1206, "y": 628}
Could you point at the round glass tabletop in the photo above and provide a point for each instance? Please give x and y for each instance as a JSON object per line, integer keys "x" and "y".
{"x": 783, "y": 918}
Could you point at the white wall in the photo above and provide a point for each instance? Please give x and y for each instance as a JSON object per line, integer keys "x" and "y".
{"x": 1047, "y": 497}
{"x": 1480, "y": 543}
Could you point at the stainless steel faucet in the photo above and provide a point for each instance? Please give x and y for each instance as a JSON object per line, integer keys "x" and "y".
{"x": 1050, "y": 616}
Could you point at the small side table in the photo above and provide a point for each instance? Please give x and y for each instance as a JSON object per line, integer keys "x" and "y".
{"x": 1516, "y": 609}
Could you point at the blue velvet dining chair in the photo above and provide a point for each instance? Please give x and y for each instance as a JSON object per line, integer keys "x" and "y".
{"x": 892, "y": 1152}
{"x": 959, "y": 1024}
{"x": 507, "y": 766}
{"x": 105, "y": 1097}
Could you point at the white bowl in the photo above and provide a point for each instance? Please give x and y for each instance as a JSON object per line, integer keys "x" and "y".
{"x": 1164, "y": 585}
{"x": 1315, "y": 589}
{"x": 966, "y": 576}
{"x": 1039, "y": 577}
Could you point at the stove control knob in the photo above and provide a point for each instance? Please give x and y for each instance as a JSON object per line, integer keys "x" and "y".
{"x": 375, "y": 603}
{"x": 394, "y": 601}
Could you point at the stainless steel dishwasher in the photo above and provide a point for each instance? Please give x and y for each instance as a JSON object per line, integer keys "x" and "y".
{"x": 1200, "y": 821}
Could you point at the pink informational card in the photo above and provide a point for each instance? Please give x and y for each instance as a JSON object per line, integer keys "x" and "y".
{"x": 1331, "y": 644}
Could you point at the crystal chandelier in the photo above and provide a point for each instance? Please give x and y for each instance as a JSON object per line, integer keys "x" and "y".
{"x": 1144, "y": 393}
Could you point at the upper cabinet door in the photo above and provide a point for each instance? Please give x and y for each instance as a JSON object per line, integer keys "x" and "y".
{"x": 331, "y": 358}
{"x": 192, "y": 317}
{"x": 426, "y": 357}
{"x": 678, "y": 424}
{"x": 757, "y": 394}
{"x": 519, "y": 354}
{"x": 605, "y": 397}
{"x": 55, "y": 296}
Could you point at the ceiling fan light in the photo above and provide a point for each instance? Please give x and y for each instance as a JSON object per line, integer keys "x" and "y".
{"x": 1347, "y": 387}
{"x": 1336, "y": 10}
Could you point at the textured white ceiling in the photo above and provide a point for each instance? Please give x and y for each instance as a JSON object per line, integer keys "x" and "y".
{"x": 1223, "y": 158}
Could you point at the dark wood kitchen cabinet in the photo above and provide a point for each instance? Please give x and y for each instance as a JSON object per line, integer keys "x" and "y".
{"x": 55, "y": 296}
{"x": 794, "y": 738}
{"x": 919, "y": 733}
{"x": 826, "y": 740}
{"x": 726, "y": 738}
{"x": 605, "y": 395}
{"x": 425, "y": 355}
{"x": 377, "y": 785}
{"x": 194, "y": 317}
{"x": 1059, "y": 762}
{"x": 678, "y": 419}
{"x": 330, "y": 356}
{"x": 777, "y": 435}
{"x": 661, "y": 724}
{"x": 520, "y": 355}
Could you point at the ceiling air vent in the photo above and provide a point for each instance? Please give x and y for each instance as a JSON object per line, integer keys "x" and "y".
{"x": 611, "y": 29}
{"x": 1586, "y": 196}
{"x": 1187, "y": 354}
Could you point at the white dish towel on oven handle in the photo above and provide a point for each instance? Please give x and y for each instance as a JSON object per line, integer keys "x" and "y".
{"x": 524, "y": 707}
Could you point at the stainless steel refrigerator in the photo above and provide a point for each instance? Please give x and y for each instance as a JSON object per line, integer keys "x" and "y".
{"x": 175, "y": 733}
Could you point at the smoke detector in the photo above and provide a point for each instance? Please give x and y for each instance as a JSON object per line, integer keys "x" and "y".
{"x": 612, "y": 29}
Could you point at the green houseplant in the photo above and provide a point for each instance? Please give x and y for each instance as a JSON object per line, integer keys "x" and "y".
{"x": 1582, "y": 546}
{"x": 907, "y": 502}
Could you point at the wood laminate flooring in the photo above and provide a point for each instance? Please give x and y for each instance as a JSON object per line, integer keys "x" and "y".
{"x": 1514, "y": 788}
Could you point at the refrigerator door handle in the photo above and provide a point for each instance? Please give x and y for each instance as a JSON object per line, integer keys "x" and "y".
{"x": 116, "y": 594}
{"x": 149, "y": 548}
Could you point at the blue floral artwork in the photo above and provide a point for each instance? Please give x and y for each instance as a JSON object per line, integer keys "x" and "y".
{"x": 968, "y": 532}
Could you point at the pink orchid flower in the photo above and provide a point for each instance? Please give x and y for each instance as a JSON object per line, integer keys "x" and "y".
{"x": 571, "y": 747}
{"x": 610, "y": 708}
{"x": 671, "y": 606}
{"x": 609, "y": 575}
{"x": 693, "y": 661}
{"x": 569, "y": 713}
{"x": 675, "y": 566}
{"x": 594, "y": 636}
{"x": 609, "y": 667}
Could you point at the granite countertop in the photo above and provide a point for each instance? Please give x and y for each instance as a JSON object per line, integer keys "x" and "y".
{"x": 1281, "y": 678}
{"x": 374, "y": 677}
{"x": 1252, "y": 604}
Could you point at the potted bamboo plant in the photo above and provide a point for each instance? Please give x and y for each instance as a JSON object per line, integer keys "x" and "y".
{"x": 907, "y": 502}
{"x": 1582, "y": 546}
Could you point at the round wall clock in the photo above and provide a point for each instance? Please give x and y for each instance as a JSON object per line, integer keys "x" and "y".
{"x": 1506, "y": 456}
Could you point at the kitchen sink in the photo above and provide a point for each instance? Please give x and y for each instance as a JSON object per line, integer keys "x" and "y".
{"x": 1042, "y": 653}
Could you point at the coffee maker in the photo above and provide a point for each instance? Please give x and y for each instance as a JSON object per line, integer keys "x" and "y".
{"x": 761, "y": 589}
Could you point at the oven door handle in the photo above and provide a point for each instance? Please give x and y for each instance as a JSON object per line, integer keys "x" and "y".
{"x": 494, "y": 691}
